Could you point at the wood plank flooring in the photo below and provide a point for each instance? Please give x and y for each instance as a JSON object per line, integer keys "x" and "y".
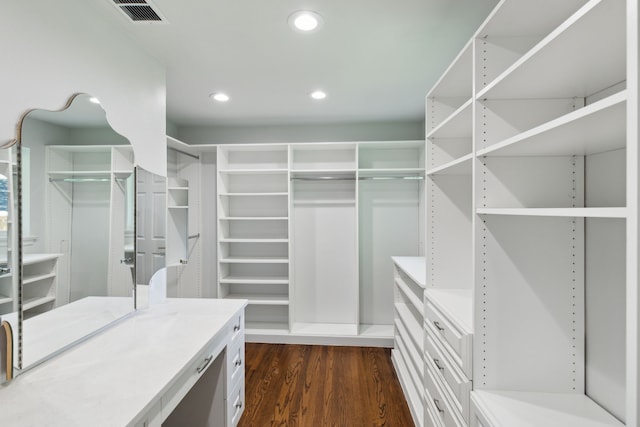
{"x": 313, "y": 386}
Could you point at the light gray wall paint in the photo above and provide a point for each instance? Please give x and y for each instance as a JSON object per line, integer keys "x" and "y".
{"x": 95, "y": 136}
{"x": 375, "y": 131}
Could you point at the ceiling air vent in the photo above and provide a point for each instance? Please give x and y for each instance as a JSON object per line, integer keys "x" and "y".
{"x": 140, "y": 11}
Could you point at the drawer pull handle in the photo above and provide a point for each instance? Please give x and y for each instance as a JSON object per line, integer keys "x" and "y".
{"x": 435, "y": 401}
{"x": 205, "y": 364}
{"x": 239, "y": 405}
{"x": 236, "y": 328}
{"x": 238, "y": 362}
{"x": 437, "y": 324}
{"x": 437, "y": 362}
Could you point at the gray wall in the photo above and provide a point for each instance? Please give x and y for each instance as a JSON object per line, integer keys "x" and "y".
{"x": 336, "y": 132}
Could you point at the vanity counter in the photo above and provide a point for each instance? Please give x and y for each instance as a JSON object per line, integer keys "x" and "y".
{"x": 123, "y": 375}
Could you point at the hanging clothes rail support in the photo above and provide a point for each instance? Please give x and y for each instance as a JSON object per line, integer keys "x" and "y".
{"x": 193, "y": 236}
{"x": 195, "y": 156}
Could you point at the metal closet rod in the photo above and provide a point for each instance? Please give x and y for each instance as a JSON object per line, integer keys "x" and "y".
{"x": 351, "y": 178}
{"x": 195, "y": 156}
{"x": 84, "y": 179}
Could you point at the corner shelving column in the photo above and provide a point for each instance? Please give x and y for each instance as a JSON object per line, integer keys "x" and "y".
{"x": 253, "y": 234}
{"x": 448, "y": 327}
{"x": 8, "y": 280}
{"x": 550, "y": 216}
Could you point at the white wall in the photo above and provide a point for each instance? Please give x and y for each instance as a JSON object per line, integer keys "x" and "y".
{"x": 338, "y": 132}
{"x": 53, "y": 49}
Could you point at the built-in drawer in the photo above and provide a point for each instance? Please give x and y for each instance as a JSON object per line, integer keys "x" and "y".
{"x": 457, "y": 342}
{"x": 447, "y": 371}
{"x": 235, "y": 405}
{"x": 430, "y": 417}
{"x": 445, "y": 411}
{"x": 191, "y": 374}
{"x": 235, "y": 365}
{"x": 236, "y": 330}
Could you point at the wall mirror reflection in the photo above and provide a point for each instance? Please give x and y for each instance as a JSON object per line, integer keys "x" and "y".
{"x": 77, "y": 222}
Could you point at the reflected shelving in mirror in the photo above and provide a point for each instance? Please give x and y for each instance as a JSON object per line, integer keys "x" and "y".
{"x": 76, "y": 224}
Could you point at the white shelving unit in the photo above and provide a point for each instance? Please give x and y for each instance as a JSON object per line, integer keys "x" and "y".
{"x": 253, "y": 233}
{"x": 87, "y": 183}
{"x": 301, "y": 223}
{"x": 39, "y": 283}
{"x": 531, "y": 221}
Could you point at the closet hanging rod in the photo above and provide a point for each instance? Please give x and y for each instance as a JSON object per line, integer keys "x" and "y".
{"x": 323, "y": 178}
{"x": 383, "y": 178}
{"x": 84, "y": 179}
{"x": 195, "y": 156}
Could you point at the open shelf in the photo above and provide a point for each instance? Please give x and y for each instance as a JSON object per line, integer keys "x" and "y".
{"x": 251, "y": 194}
{"x": 457, "y": 125}
{"x": 409, "y": 173}
{"x": 256, "y": 240}
{"x": 38, "y": 278}
{"x": 596, "y": 128}
{"x": 526, "y": 409}
{"x": 254, "y": 260}
{"x": 596, "y": 62}
{"x": 255, "y": 280}
{"x": 557, "y": 212}
{"x": 260, "y": 299}
{"x": 459, "y": 166}
{"x": 36, "y": 302}
{"x": 5, "y": 299}
{"x": 253, "y": 218}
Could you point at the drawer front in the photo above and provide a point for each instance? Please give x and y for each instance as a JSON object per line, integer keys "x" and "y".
{"x": 449, "y": 374}
{"x": 235, "y": 366}
{"x": 430, "y": 417}
{"x": 194, "y": 371}
{"x": 236, "y": 332}
{"x": 446, "y": 413}
{"x": 235, "y": 405}
{"x": 477, "y": 419}
{"x": 455, "y": 341}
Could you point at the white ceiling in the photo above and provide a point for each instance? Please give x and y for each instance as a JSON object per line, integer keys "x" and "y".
{"x": 376, "y": 59}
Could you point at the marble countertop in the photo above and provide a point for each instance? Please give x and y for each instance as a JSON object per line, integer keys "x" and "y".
{"x": 114, "y": 377}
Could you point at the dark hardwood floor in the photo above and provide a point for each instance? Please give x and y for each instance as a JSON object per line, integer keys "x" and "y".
{"x": 302, "y": 385}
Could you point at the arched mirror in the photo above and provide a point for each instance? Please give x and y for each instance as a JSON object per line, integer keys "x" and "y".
{"x": 77, "y": 227}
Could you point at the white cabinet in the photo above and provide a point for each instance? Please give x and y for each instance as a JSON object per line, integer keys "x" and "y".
{"x": 408, "y": 353}
{"x": 531, "y": 212}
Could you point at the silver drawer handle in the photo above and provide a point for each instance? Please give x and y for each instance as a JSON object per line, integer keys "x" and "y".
{"x": 239, "y": 405}
{"x": 236, "y": 328}
{"x": 435, "y": 401}
{"x": 437, "y": 362}
{"x": 238, "y": 362}
{"x": 437, "y": 324}
{"x": 205, "y": 364}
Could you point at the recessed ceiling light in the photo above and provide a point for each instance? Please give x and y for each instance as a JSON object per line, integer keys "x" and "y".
{"x": 219, "y": 96}
{"x": 318, "y": 94}
{"x": 94, "y": 100}
{"x": 305, "y": 21}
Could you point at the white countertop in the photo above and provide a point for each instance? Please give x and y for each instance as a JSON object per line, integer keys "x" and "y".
{"x": 115, "y": 376}
{"x": 55, "y": 329}
{"x": 414, "y": 266}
